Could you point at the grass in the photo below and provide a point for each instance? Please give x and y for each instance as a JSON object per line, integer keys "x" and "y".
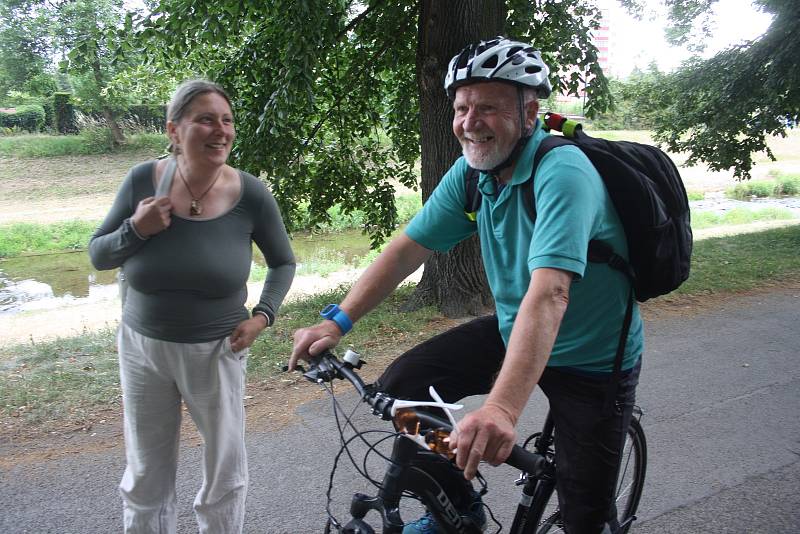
{"x": 90, "y": 142}
{"x": 66, "y": 379}
{"x": 707, "y": 219}
{"x": 20, "y": 239}
{"x": 28, "y": 238}
{"x": 744, "y": 261}
{"x": 74, "y": 378}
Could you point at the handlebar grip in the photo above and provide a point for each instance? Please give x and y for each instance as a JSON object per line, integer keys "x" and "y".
{"x": 525, "y": 460}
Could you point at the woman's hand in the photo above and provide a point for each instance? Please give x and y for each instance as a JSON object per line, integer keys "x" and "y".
{"x": 152, "y": 216}
{"x": 247, "y": 331}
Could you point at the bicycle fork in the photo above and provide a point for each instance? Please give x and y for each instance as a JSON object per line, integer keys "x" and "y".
{"x": 425, "y": 474}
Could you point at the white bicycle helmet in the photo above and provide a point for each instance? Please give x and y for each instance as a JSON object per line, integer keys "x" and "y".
{"x": 498, "y": 59}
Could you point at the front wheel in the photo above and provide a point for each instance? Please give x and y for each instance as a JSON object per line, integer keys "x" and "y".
{"x": 355, "y": 526}
{"x": 629, "y": 485}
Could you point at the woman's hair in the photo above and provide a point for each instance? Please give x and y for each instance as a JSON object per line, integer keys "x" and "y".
{"x": 184, "y": 95}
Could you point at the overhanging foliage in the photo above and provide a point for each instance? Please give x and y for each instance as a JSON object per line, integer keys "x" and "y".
{"x": 326, "y": 93}
{"x": 723, "y": 110}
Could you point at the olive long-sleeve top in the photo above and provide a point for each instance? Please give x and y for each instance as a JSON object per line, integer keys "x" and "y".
{"x": 188, "y": 283}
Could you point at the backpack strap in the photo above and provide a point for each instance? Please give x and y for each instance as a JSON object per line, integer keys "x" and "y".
{"x": 546, "y": 145}
{"x": 473, "y": 202}
{"x": 599, "y": 252}
{"x": 613, "y": 382}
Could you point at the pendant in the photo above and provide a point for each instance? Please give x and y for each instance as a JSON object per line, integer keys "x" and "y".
{"x": 195, "y": 209}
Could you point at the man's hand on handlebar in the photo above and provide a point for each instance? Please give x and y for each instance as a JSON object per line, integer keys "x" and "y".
{"x": 311, "y": 341}
{"x": 486, "y": 434}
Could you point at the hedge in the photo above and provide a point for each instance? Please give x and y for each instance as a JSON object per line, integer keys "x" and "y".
{"x": 30, "y": 117}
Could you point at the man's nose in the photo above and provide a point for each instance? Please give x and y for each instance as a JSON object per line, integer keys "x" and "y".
{"x": 472, "y": 120}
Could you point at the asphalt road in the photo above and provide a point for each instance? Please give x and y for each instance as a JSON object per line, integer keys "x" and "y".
{"x": 721, "y": 394}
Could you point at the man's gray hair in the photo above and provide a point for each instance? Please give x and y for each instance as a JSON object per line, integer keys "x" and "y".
{"x": 529, "y": 94}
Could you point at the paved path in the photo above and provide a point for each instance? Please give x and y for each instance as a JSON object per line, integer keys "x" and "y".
{"x": 720, "y": 389}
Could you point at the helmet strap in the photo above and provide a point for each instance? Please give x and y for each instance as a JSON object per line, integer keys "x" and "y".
{"x": 523, "y": 138}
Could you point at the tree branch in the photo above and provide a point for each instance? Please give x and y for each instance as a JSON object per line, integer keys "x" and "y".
{"x": 327, "y": 115}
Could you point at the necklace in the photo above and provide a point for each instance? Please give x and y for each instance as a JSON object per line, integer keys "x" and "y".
{"x": 196, "y": 209}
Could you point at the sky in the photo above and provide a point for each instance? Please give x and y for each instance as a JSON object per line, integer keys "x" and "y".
{"x": 643, "y": 41}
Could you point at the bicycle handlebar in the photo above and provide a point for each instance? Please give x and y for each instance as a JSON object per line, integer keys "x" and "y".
{"x": 326, "y": 366}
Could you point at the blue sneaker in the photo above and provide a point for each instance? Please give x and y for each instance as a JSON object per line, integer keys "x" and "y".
{"x": 424, "y": 525}
{"x": 427, "y": 524}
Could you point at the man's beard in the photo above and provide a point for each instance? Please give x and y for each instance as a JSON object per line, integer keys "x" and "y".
{"x": 486, "y": 162}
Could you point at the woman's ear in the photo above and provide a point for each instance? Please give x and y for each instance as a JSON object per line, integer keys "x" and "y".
{"x": 172, "y": 131}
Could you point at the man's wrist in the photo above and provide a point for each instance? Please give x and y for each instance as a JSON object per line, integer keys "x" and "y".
{"x": 509, "y": 413}
{"x": 334, "y": 313}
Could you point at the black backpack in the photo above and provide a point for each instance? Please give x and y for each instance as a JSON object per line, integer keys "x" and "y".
{"x": 648, "y": 194}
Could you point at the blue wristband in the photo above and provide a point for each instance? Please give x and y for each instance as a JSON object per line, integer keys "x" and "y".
{"x": 334, "y": 313}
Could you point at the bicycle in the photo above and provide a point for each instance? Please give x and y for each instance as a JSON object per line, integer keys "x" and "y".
{"x": 420, "y": 465}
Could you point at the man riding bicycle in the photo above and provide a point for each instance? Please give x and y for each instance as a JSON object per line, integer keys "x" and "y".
{"x": 558, "y": 316}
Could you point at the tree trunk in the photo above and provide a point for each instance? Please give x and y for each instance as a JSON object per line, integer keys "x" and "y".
{"x": 454, "y": 282}
{"x": 111, "y": 122}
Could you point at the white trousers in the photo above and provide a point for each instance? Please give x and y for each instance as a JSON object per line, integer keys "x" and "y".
{"x": 210, "y": 378}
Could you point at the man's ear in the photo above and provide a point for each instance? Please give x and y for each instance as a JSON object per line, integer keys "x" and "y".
{"x": 531, "y": 113}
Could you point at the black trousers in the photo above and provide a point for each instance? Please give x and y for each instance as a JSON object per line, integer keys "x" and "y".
{"x": 465, "y": 360}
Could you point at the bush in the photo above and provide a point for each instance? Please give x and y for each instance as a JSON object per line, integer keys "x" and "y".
{"x": 148, "y": 118}
{"x": 30, "y": 117}
{"x": 787, "y": 186}
{"x": 64, "y": 114}
{"x": 748, "y": 190}
{"x": 783, "y": 185}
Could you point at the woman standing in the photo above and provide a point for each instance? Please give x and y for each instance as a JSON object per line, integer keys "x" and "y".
{"x": 185, "y": 332}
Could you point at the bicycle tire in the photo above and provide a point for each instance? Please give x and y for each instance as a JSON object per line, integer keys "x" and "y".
{"x": 629, "y": 485}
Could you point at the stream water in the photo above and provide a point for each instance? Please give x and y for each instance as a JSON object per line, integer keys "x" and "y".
{"x": 50, "y": 280}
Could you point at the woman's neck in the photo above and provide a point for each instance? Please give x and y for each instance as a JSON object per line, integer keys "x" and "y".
{"x": 198, "y": 173}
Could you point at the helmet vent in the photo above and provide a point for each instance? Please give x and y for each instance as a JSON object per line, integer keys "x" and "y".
{"x": 490, "y": 63}
{"x": 532, "y": 69}
{"x": 463, "y": 59}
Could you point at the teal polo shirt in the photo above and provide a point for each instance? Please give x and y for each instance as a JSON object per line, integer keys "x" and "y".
{"x": 572, "y": 208}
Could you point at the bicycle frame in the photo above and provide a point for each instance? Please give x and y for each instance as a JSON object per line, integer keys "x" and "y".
{"x": 536, "y": 488}
{"x": 438, "y": 483}
{"x": 435, "y": 480}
